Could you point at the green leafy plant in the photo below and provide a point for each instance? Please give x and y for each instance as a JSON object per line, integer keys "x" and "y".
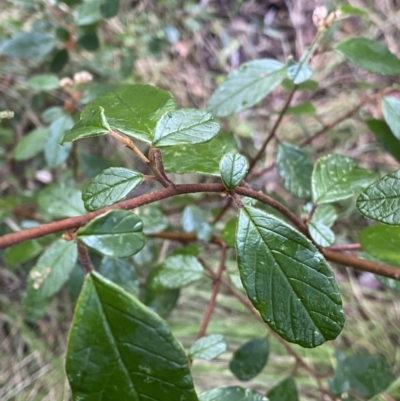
{"x": 120, "y": 346}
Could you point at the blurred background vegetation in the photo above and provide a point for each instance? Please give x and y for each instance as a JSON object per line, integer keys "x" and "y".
{"x": 185, "y": 47}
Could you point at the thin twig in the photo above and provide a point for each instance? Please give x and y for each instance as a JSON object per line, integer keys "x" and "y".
{"x": 157, "y": 167}
{"x": 84, "y": 258}
{"x": 130, "y": 145}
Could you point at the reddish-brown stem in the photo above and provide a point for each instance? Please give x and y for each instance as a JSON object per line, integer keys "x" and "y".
{"x": 214, "y": 294}
{"x": 157, "y": 167}
{"x": 346, "y": 247}
{"x": 84, "y": 258}
{"x": 130, "y": 145}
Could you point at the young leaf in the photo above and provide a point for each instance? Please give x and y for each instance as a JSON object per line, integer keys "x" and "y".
{"x": 320, "y": 223}
{"x": 93, "y": 122}
{"x": 365, "y": 374}
{"x": 295, "y": 169}
{"x": 185, "y": 126}
{"x": 231, "y": 393}
{"x": 193, "y": 220}
{"x": 133, "y": 110}
{"x": 28, "y": 45}
{"x": 250, "y": 359}
{"x": 284, "y": 391}
{"x": 201, "y": 159}
{"x": 385, "y": 136}
{"x": 109, "y": 187}
{"x": 208, "y": 347}
{"x": 381, "y": 200}
{"x": 120, "y": 272}
{"x": 131, "y": 352}
{"x": 54, "y": 153}
{"x": 382, "y": 242}
{"x": 336, "y": 177}
{"x": 44, "y": 82}
{"x": 61, "y": 201}
{"x": 30, "y": 145}
{"x": 287, "y": 280}
{"x": 233, "y": 168}
{"x": 246, "y": 86}
{"x": 117, "y": 233}
{"x": 391, "y": 112}
{"x": 369, "y": 55}
{"x": 177, "y": 271}
{"x": 299, "y": 72}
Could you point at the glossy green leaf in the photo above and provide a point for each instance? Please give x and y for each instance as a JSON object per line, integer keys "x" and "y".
{"x": 44, "y": 82}
{"x": 109, "y": 187}
{"x": 385, "y": 136}
{"x": 153, "y": 219}
{"x": 363, "y": 373}
{"x": 284, "y": 391}
{"x": 133, "y": 110}
{"x": 336, "y": 177}
{"x": 30, "y": 145}
{"x": 369, "y": 55}
{"x": 60, "y": 201}
{"x": 299, "y": 72}
{"x": 287, "y": 280}
{"x": 178, "y": 271}
{"x": 382, "y": 242}
{"x": 233, "y": 168}
{"x": 194, "y": 221}
{"x": 117, "y": 233}
{"x": 250, "y": 359}
{"x": 391, "y": 112}
{"x": 301, "y": 109}
{"x": 92, "y": 123}
{"x": 22, "y": 252}
{"x": 201, "y": 159}
{"x": 185, "y": 126}
{"x": 87, "y": 13}
{"x": 346, "y": 9}
{"x": 54, "y": 153}
{"x": 120, "y": 349}
{"x": 246, "y": 86}
{"x": 320, "y": 223}
{"x": 28, "y": 45}
{"x": 295, "y": 169}
{"x": 381, "y": 200}
{"x": 231, "y": 393}
{"x": 208, "y": 347}
{"x": 120, "y": 272}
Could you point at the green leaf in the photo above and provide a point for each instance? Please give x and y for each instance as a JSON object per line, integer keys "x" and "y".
{"x": 229, "y": 232}
{"x": 109, "y": 187}
{"x": 369, "y": 55}
{"x": 299, "y": 72}
{"x": 87, "y": 13}
{"x": 246, "y": 86}
{"x": 320, "y": 223}
{"x": 250, "y": 359}
{"x": 208, "y": 347}
{"x": 382, "y": 242}
{"x": 385, "y": 136}
{"x": 30, "y": 145}
{"x": 363, "y": 373}
{"x": 22, "y": 252}
{"x": 201, "y": 159}
{"x": 28, "y": 45}
{"x": 392, "y": 392}
{"x": 308, "y": 85}
{"x": 350, "y": 10}
{"x": 89, "y": 41}
{"x": 120, "y": 272}
{"x": 193, "y": 221}
{"x": 119, "y": 350}
{"x": 295, "y": 169}
{"x": 231, "y": 393}
{"x": 177, "y": 271}
{"x": 117, "y": 233}
{"x": 44, "y": 82}
{"x": 153, "y": 219}
{"x": 185, "y": 126}
{"x": 336, "y": 177}
{"x": 109, "y": 8}
{"x": 391, "y": 112}
{"x": 233, "y": 168}
{"x": 54, "y": 153}
{"x": 381, "y": 200}
{"x": 133, "y": 110}
{"x": 287, "y": 280}
{"x": 301, "y": 109}
{"x": 284, "y": 391}
{"x": 60, "y": 201}
{"x": 92, "y": 123}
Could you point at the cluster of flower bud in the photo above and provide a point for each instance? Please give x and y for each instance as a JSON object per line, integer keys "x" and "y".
{"x": 81, "y": 77}
{"x": 322, "y": 18}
